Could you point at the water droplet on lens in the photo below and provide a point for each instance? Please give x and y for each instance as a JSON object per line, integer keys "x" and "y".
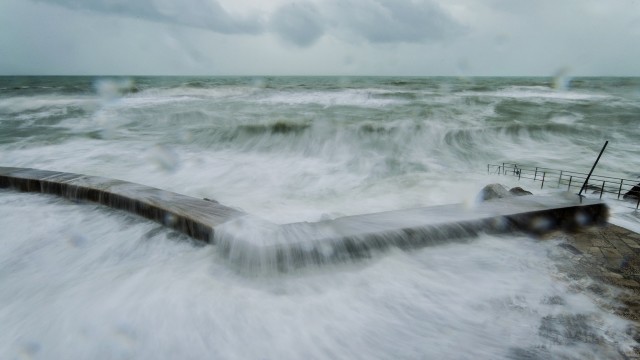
{"x": 125, "y": 334}
{"x": 561, "y": 79}
{"x": 77, "y": 240}
{"x": 165, "y": 158}
{"x": 581, "y": 218}
{"x": 109, "y": 89}
{"x": 464, "y": 66}
{"x": 169, "y": 219}
{"x": 30, "y": 349}
{"x": 541, "y": 224}
{"x": 259, "y": 83}
{"x": 185, "y": 136}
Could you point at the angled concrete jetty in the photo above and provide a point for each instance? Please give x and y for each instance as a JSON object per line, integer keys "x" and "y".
{"x": 191, "y": 216}
{"x": 255, "y": 245}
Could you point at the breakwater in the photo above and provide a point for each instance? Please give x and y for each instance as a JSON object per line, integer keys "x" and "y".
{"x": 253, "y": 244}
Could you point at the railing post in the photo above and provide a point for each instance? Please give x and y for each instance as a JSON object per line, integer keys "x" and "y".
{"x": 560, "y": 178}
{"x": 536, "y": 174}
{"x": 503, "y": 169}
{"x": 602, "y": 190}
{"x": 620, "y": 189}
{"x": 638, "y": 204}
{"x": 569, "y": 187}
{"x": 488, "y": 166}
{"x": 586, "y": 181}
{"x": 543, "y": 175}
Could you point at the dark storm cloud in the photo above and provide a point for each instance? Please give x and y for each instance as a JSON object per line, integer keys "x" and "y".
{"x": 388, "y": 21}
{"x": 299, "y": 24}
{"x": 377, "y": 21}
{"x": 207, "y": 14}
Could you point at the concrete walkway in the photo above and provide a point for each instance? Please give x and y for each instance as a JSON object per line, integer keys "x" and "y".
{"x": 608, "y": 255}
{"x": 254, "y": 245}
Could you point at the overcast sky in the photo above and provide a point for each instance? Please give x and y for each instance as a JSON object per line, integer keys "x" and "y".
{"x": 320, "y": 37}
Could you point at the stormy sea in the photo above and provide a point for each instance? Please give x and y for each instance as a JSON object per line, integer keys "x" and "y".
{"x": 82, "y": 281}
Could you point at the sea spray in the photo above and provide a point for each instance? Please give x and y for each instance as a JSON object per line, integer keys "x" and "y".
{"x": 128, "y": 288}
{"x": 84, "y": 282}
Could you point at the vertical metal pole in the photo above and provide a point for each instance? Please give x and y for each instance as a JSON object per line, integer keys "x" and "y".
{"x": 602, "y": 190}
{"x": 638, "y": 204}
{"x": 543, "y": 175}
{"x": 560, "y": 178}
{"x": 488, "y": 172}
{"x": 519, "y": 173}
{"x": 503, "y": 169}
{"x": 569, "y": 187}
{"x": 620, "y": 189}
{"x": 535, "y": 175}
{"x": 586, "y": 181}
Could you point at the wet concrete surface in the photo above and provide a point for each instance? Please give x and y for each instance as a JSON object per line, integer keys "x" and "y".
{"x": 249, "y": 241}
{"x": 606, "y": 262}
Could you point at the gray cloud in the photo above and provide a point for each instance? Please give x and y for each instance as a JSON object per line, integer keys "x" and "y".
{"x": 388, "y": 21}
{"x": 299, "y": 24}
{"x": 206, "y": 14}
{"x": 377, "y": 21}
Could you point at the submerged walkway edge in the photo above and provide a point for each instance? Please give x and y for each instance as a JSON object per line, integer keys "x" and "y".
{"x": 249, "y": 241}
{"x": 193, "y": 217}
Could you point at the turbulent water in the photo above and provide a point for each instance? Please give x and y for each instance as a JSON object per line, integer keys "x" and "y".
{"x": 83, "y": 281}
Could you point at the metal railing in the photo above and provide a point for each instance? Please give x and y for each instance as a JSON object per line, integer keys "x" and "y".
{"x": 555, "y": 178}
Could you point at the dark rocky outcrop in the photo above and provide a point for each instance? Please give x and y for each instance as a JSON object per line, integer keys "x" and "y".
{"x": 633, "y": 194}
{"x": 493, "y": 191}
{"x": 518, "y": 191}
{"x": 499, "y": 191}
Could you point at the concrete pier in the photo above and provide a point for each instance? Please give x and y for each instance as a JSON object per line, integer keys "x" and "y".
{"x": 191, "y": 216}
{"x": 253, "y": 244}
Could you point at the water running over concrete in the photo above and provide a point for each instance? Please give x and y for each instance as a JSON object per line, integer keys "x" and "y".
{"x": 254, "y": 245}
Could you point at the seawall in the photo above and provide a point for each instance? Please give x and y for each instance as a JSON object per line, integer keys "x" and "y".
{"x": 193, "y": 217}
{"x": 253, "y": 244}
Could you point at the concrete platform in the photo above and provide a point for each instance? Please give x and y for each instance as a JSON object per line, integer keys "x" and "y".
{"x": 604, "y": 262}
{"x": 255, "y": 245}
{"x": 193, "y": 217}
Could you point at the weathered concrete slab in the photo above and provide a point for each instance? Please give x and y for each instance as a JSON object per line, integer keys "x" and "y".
{"x": 194, "y": 217}
{"x": 610, "y": 256}
{"x": 253, "y": 244}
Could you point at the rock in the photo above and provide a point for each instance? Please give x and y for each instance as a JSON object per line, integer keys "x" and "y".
{"x": 499, "y": 191}
{"x": 596, "y": 189}
{"x": 493, "y": 191}
{"x": 518, "y": 191}
{"x": 634, "y": 193}
{"x": 592, "y": 187}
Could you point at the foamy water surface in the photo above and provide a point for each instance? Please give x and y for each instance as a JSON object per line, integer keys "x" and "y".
{"x": 82, "y": 281}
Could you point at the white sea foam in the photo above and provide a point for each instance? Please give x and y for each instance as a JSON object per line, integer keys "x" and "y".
{"x": 85, "y": 282}
{"x": 138, "y": 101}
{"x": 567, "y": 119}
{"x": 206, "y": 93}
{"x": 19, "y": 104}
{"x": 82, "y": 286}
{"x": 349, "y": 97}
{"x": 542, "y": 93}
